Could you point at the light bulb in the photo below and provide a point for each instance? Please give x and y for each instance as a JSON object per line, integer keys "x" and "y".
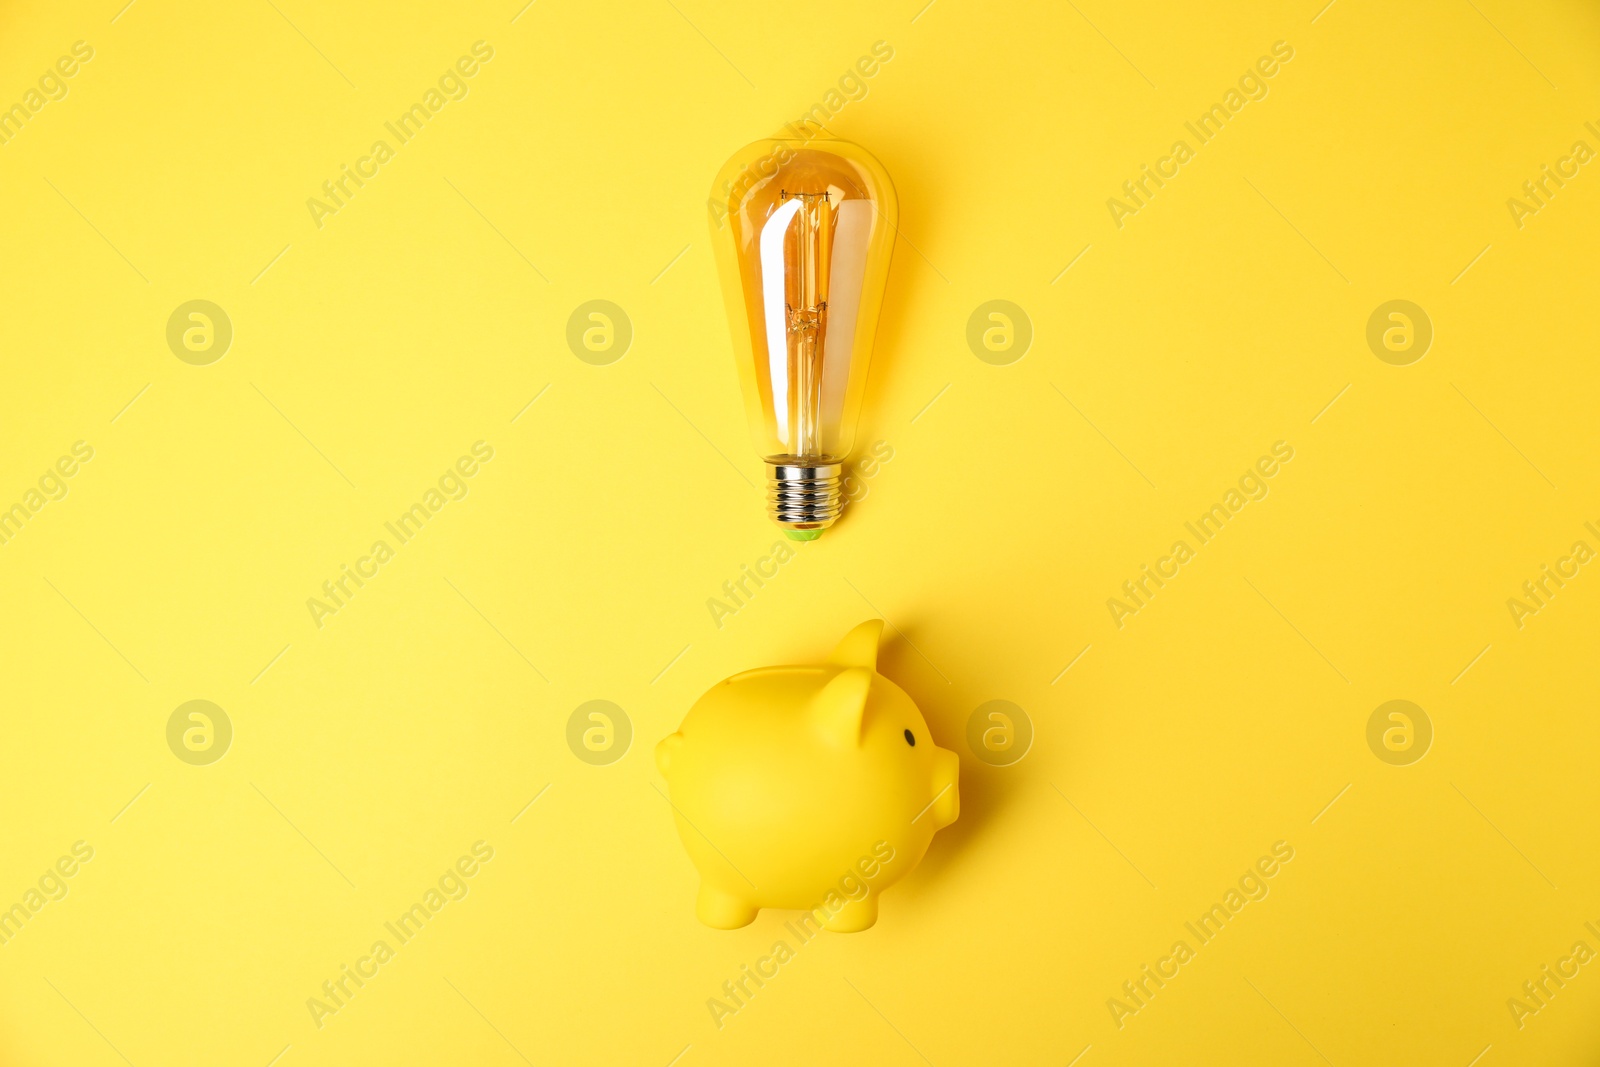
{"x": 803, "y": 231}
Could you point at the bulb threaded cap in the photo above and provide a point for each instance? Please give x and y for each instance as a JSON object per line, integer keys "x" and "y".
{"x": 804, "y": 495}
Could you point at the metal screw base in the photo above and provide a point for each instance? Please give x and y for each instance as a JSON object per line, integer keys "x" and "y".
{"x": 804, "y": 494}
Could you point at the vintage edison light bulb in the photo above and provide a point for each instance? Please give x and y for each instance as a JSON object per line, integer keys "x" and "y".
{"x": 803, "y": 231}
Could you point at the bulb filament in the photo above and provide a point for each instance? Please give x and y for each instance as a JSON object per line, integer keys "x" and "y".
{"x": 806, "y": 311}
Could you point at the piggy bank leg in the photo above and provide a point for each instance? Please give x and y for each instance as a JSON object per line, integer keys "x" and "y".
{"x": 855, "y": 916}
{"x": 723, "y": 910}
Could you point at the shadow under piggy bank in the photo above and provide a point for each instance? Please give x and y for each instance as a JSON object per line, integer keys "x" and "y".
{"x": 988, "y": 786}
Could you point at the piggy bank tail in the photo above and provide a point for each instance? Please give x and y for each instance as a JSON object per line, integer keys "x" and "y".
{"x": 666, "y": 751}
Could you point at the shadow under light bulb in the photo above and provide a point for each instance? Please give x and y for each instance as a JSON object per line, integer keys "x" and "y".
{"x": 803, "y": 250}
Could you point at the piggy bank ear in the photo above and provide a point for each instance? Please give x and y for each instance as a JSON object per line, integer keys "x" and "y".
{"x": 859, "y": 647}
{"x": 838, "y": 709}
{"x": 666, "y": 749}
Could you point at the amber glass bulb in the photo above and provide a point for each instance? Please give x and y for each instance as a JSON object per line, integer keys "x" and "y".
{"x": 803, "y": 231}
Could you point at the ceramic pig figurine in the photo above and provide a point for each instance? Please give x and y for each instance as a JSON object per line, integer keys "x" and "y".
{"x": 810, "y": 788}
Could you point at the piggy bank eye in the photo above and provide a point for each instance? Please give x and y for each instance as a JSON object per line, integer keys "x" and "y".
{"x": 911, "y": 739}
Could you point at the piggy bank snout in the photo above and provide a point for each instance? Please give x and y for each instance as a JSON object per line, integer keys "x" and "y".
{"x": 946, "y": 791}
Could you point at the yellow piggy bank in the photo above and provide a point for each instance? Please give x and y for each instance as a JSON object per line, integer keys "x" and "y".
{"x": 810, "y": 788}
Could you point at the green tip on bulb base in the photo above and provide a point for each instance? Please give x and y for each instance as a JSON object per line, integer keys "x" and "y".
{"x": 802, "y": 535}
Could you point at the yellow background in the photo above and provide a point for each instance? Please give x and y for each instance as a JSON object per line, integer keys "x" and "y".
{"x": 423, "y": 717}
